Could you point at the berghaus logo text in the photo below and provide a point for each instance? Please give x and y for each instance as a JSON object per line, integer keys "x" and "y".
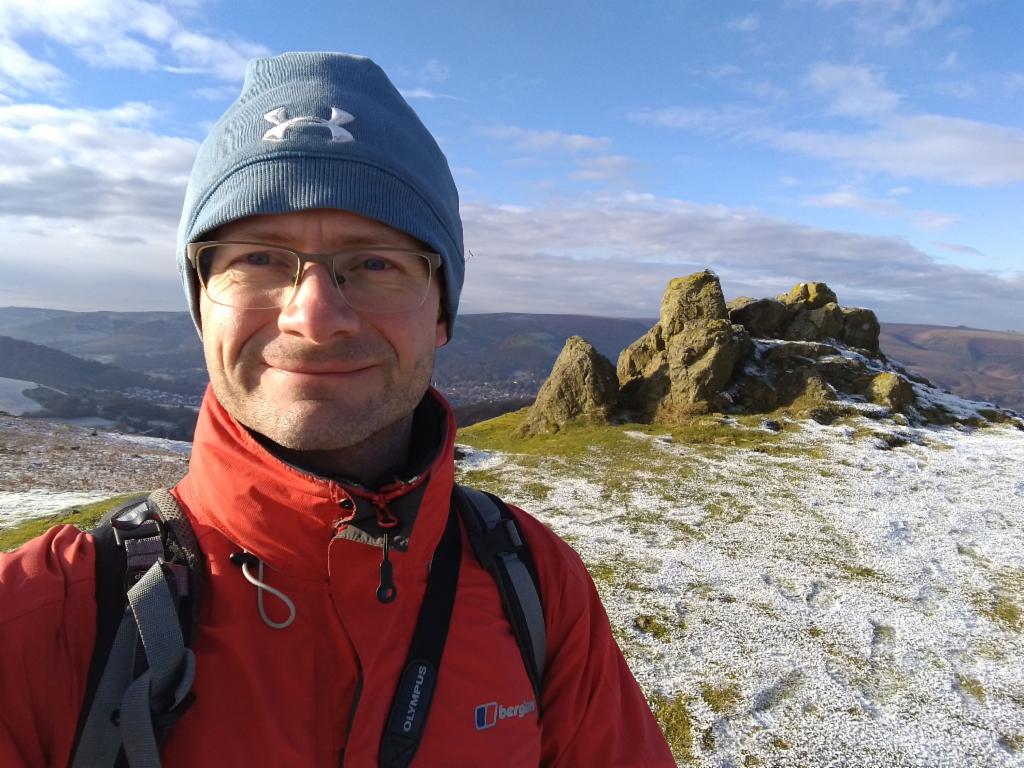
{"x": 488, "y": 715}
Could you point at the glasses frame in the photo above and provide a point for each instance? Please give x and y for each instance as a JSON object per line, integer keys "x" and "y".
{"x": 193, "y": 250}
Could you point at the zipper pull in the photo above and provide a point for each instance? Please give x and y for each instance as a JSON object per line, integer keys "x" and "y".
{"x": 387, "y": 591}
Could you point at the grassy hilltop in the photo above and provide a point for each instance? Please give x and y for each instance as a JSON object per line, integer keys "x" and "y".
{"x": 822, "y": 595}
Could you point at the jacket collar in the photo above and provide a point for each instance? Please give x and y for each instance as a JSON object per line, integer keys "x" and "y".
{"x": 287, "y": 516}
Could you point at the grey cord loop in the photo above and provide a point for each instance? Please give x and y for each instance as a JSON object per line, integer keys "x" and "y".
{"x": 257, "y": 581}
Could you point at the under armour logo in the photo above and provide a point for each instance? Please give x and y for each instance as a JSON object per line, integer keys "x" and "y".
{"x": 282, "y": 124}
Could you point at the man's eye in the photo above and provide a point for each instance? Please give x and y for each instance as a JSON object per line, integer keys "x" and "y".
{"x": 375, "y": 264}
{"x": 257, "y": 259}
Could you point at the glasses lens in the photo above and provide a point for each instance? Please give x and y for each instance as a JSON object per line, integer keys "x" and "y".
{"x": 383, "y": 280}
{"x": 247, "y": 276}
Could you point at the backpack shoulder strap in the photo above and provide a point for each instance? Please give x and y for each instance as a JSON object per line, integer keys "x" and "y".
{"x": 148, "y": 581}
{"x": 501, "y": 549}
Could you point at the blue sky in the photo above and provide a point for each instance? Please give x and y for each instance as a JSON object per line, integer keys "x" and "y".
{"x": 599, "y": 148}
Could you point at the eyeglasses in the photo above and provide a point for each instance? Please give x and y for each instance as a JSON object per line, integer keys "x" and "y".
{"x": 247, "y": 275}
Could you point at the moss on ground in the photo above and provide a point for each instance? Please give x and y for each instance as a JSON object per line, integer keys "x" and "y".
{"x": 1002, "y": 604}
{"x": 613, "y": 568}
{"x": 971, "y": 686}
{"x": 720, "y": 699}
{"x": 1014, "y": 742}
{"x": 673, "y": 716}
{"x": 83, "y": 516}
{"x": 652, "y": 625}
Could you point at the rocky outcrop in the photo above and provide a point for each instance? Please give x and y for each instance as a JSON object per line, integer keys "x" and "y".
{"x": 860, "y": 328}
{"x": 817, "y": 324}
{"x": 800, "y": 353}
{"x": 681, "y": 366}
{"x": 891, "y": 390}
{"x": 582, "y": 388}
{"x": 808, "y": 296}
{"x": 766, "y": 318}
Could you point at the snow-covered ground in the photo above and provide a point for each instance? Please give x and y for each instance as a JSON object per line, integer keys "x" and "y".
{"x": 830, "y": 602}
{"x": 12, "y": 399}
{"x": 47, "y": 466}
{"x": 16, "y": 506}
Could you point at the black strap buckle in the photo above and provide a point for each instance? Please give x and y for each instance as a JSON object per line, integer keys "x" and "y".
{"x": 491, "y": 543}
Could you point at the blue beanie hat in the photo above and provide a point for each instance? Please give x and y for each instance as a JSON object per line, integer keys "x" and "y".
{"x": 324, "y": 130}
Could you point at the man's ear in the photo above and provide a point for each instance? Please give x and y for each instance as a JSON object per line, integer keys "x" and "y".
{"x": 441, "y": 332}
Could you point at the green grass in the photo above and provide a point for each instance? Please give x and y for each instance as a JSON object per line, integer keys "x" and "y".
{"x": 971, "y": 686}
{"x": 652, "y": 625}
{"x": 673, "y": 715}
{"x": 1002, "y": 604}
{"x": 721, "y": 700}
{"x": 83, "y": 516}
{"x": 574, "y": 440}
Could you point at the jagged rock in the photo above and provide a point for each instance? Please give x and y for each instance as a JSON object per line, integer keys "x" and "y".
{"x": 766, "y": 318}
{"x": 701, "y": 362}
{"x": 689, "y": 301}
{"x": 808, "y": 296}
{"x": 582, "y": 387}
{"x": 846, "y": 375}
{"x": 642, "y": 358}
{"x": 825, "y": 322}
{"x": 891, "y": 390}
{"x": 682, "y": 364}
{"x": 738, "y": 303}
{"x": 860, "y": 328}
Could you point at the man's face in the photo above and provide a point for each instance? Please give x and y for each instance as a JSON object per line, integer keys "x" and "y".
{"x": 318, "y": 375}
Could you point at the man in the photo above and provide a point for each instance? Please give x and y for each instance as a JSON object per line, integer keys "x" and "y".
{"x": 321, "y": 251}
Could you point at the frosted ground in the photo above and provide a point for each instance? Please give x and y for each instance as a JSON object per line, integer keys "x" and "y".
{"x": 46, "y": 467}
{"x": 834, "y": 601}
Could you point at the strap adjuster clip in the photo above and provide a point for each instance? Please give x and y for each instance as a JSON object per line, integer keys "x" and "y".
{"x": 491, "y": 543}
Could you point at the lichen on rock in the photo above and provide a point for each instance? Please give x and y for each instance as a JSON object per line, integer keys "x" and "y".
{"x": 582, "y": 387}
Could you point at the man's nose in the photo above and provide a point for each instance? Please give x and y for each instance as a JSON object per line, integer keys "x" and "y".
{"x": 317, "y": 310}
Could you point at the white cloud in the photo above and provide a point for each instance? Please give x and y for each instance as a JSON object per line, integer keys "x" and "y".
{"x": 749, "y": 23}
{"x": 902, "y": 144}
{"x": 219, "y": 93}
{"x": 434, "y": 72}
{"x": 615, "y": 256}
{"x": 120, "y": 54}
{"x": 21, "y": 73}
{"x": 853, "y": 90}
{"x": 964, "y": 250}
{"x": 958, "y": 89}
{"x": 132, "y": 34}
{"x": 724, "y": 70}
{"x": 894, "y": 22}
{"x": 886, "y": 208}
{"x": 82, "y": 164}
{"x": 947, "y": 149}
{"x": 422, "y": 93}
{"x": 1013, "y": 82}
{"x": 603, "y": 168}
{"x": 529, "y": 140}
{"x": 726, "y": 119}
{"x": 952, "y": 61}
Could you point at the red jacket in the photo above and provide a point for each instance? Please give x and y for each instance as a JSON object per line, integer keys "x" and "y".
{"x": 322, "y": 688}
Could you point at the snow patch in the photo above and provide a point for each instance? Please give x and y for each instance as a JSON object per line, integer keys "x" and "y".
{"x": 18, "y": 506}
{"x": 13, "y": 400}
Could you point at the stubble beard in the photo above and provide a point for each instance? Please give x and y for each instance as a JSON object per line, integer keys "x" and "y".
{"x": 332, "y": 422}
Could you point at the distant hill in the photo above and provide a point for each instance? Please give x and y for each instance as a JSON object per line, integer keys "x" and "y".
{"x": 59, "y": 370}
{"x": 502, "y": 356}
{"x": 982, "y": 365}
